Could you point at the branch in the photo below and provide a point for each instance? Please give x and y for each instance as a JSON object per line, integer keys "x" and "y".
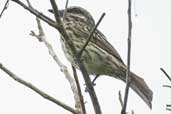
{"x": 121, "y": 102}
{"x": 79, "y": 90}
{"x": 168, "y": 105}
{"x": 168, "y": 109}
{"x": 90, "y": 36}
{"x": 167, "y": 86}
{"x": 90, "y": 88}
{"x": 65, "y": 11}
{"x": 120, "y": 98}
{"x": 61, "y": 28}
{"x": 58, "y": 24}
{"x": 34, "y": 88}
{"x": 5, "y": 7}
{"x": 37, "y": 13}
{"x": 165, "y": 73}
{"x": 128, "y": 80}
{"x": 42, "y": 38}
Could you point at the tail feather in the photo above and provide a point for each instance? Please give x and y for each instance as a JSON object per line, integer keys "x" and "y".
{"x": 141, "y": 88}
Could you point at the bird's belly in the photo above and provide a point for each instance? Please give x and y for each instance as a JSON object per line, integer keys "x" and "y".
{"x": 96, "y": 61}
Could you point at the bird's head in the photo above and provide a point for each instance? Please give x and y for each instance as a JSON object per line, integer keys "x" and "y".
{"x": 76, "y": 13}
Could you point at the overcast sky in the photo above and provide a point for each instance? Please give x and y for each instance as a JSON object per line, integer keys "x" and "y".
{"x": 30, "y": 60}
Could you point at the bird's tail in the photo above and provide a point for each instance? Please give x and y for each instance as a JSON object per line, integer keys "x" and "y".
{"x": 141, "y": 88}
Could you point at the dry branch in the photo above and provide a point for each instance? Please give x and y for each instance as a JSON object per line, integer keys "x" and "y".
{"x": 82, "y": 104}
{"x": 167, "y": 75}
{"x": 128, "y": 81}
{"x": 42, "y": 38}
{"x": 90, "y": 36}
{"x": 37, "y": 90}
{"x": 5, "y": 7}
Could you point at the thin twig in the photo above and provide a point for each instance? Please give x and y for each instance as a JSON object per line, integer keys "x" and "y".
{"x": 29, "y": 4}
{"x": 58, "y": 24}
{"x": 165, "y": 73}
{"x": 65, "y": 11}
{"x": 34, "y": 88}
{"x": 128, "y": 81}
{"x": 168, "y": 105}
{"x": 37, "y": 13}
{"x": 120, "y": 98}
{"x": 79, "y": 90}
{"x": 168, "y": 109}
{"x": 167, "y": 86}
{"x": 5, "y": 7}
{"x": 90, "y": 36}
{"x": 121, "y": 101}
{"x": 90, "y": 88}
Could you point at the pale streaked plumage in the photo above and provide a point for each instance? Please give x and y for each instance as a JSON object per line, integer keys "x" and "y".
{"x": 100, "y": 57}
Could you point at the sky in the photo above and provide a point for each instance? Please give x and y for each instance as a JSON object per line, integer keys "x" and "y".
{"x": 29, "y": 59}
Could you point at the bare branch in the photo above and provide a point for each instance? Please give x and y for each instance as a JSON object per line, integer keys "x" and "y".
{"x": 58, "y": 24}
{"x": 90, "y": 88}
{"x": 79, "y": 90}
{"x": 5, "y": 7}
{"x": 168, "y": 105}
{"x": 165, "y": 73}
{"x": 29, "y": 4}
{"x": 34, "y": 88}
{"x": 65, "y": 11}
{"x": 167, "y": 86}
{"x": 42, "y": 38}
{"x": 90, "y": 36}
{"x": 120, "y": 99}
{"x": 61, "y": 28}
{"x": 128, "y": 80}
{"x": 168, "y": 109}
{"x": 37, "y": 13}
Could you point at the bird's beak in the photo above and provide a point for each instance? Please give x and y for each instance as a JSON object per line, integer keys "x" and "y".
{"x": 61, "y": 12}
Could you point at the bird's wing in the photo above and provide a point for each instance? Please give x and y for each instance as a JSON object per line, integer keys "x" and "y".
{"x": 100, "y": 40}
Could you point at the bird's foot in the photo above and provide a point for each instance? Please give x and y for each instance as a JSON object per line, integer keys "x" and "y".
{"x": 93, "y": 83}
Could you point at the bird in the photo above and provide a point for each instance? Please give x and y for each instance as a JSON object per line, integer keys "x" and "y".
{"x": 99, "y": 56}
